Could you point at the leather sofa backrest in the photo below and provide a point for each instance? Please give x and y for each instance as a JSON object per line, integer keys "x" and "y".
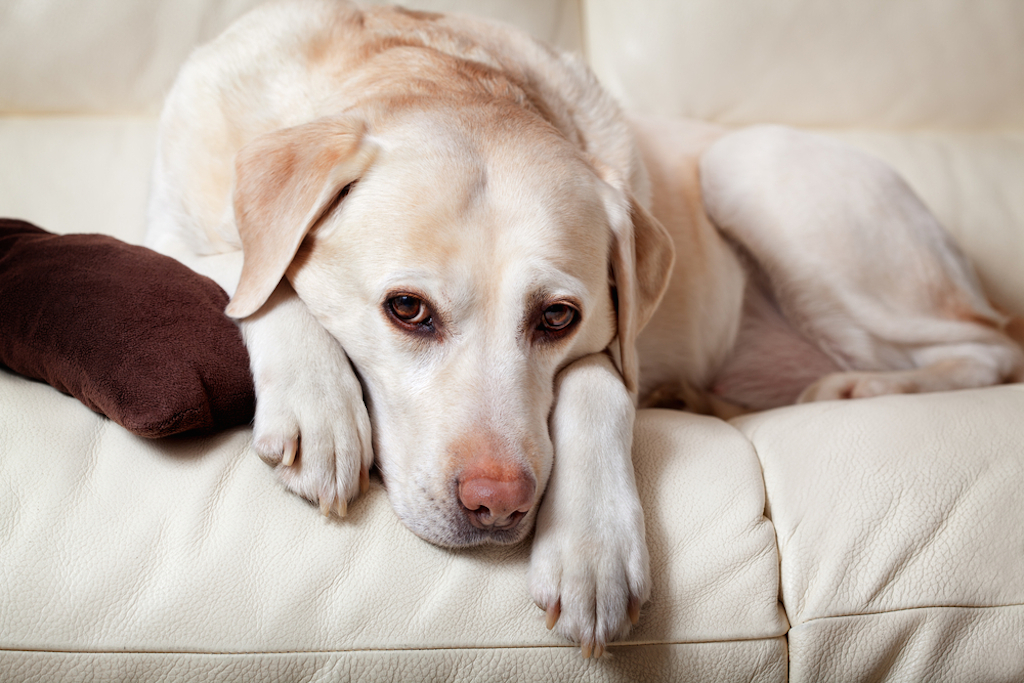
{"x": 949, "y": 64}
{"x": 121, "y": 56}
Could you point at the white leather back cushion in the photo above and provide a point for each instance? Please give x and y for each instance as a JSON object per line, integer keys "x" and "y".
{"x": 121, "y": 55}
{"x": 921, "y": 63}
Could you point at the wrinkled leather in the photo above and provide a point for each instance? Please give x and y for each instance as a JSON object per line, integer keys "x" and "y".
{"x": 113, "y": 544}
{"x": 894, "y": 534}
{"x": 900, "y": 525}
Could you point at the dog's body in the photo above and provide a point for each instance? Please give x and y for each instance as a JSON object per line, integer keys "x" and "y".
{"x": 466, "y": 216}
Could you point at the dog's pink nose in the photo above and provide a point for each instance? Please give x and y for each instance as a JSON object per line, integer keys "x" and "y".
{"x": 496, "y": 500}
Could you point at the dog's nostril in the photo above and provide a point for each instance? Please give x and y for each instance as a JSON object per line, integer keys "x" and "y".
{"x": 483, "y": 518}
{"x": 496, "y": 504}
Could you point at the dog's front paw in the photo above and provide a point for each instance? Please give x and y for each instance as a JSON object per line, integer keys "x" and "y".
{"x": 592, "y": 582}
{"x": 311, "y": 424}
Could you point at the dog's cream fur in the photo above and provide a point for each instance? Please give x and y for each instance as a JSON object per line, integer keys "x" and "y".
{"x": 323, "y": 162}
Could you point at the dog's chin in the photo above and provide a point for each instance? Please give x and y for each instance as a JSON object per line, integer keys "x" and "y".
{"x": 454, "y": 531}
{"x": 440, "y": 520}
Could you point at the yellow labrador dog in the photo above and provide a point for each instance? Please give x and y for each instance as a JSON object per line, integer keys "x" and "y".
{"x": 443, "y": 241}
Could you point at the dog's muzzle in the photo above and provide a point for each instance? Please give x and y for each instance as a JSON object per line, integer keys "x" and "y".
{"x": 495, "y": 497}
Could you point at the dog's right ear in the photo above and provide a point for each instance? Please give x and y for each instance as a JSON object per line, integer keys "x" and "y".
{"x": 284, "y": 182}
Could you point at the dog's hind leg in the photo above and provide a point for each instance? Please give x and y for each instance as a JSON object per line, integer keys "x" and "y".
{"x": 857, "y": 265}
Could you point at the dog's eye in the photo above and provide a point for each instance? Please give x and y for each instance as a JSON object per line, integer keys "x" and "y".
{"x": 558, "y": 317}
{"x": 410, "y": 310}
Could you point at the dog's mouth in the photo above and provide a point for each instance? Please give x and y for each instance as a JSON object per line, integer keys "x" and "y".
{"x": 484, "y": 519}
{"x": 446, "y": 522}
{"x": 509, "y": 532}
{"x": 458, "y": 531}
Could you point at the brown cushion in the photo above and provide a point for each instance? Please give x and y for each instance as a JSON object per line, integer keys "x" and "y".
{"x": 131, "y": 333}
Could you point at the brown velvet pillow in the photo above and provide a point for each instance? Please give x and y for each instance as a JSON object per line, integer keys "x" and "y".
{"x": 131, "y": 333}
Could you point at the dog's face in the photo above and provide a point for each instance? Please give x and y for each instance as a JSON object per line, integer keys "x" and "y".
{"x": 460, "y": 270}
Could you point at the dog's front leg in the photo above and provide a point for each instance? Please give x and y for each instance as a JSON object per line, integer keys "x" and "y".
{"x": 311, "y": 423}
{"x": 589, "y": 566}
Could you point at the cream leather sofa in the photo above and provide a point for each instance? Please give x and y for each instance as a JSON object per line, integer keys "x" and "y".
{"x": 874, "y": 540}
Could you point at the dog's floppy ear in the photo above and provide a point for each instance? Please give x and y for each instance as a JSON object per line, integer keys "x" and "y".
{"x": 284, "y": 182}
{"x": 641, "y": 262}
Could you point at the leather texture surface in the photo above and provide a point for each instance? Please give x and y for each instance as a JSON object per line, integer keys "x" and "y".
{"x": 739, "y": 662}
{"x": 119, "y": 544}
{"x": 823, "y": 63}
{"x": 125, "y": 54}
{"x": 900, "y": 525}
{"x": 892, "y": 546}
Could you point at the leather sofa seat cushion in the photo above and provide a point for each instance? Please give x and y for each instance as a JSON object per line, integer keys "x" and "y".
{"x": 900, "y": 535}
{"x": 155, "y": 559}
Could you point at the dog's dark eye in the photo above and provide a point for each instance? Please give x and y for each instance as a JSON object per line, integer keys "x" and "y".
{"x": 412, "y": 314}
{"x": 410, "y": 310}
{"x": 558, "y": 317}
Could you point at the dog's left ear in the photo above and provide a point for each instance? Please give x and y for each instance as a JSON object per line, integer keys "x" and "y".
{"x": 641, "y": 263}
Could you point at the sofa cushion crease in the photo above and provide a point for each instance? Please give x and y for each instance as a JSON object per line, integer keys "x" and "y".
{"x": 617, "y": 647}
{"x": 924, "y": 643}
{"x": 763, "y": 661}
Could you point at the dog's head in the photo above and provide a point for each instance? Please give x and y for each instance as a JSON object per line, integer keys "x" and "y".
{"x": 462, "y": 261}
